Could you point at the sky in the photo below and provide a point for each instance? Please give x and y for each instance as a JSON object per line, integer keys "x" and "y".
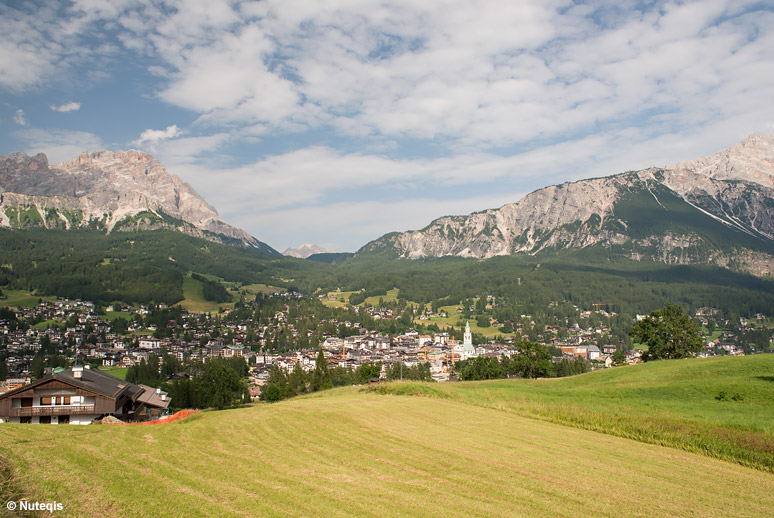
{"x": 336, "y": 121}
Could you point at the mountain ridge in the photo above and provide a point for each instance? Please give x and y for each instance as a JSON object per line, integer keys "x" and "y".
{"x": 733, "y": 188}
{"x": 111, "y": 191}
{"x": 304, "y": 251}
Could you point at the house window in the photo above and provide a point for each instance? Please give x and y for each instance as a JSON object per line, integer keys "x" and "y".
{"x": 26, "y": 402}
{"x": 45, "y": 419}
{"x": 45, "y": 401}
{"x": 64, "y": 419}
{"x": 25, "y": 420}
{"x": 66, "y": 400}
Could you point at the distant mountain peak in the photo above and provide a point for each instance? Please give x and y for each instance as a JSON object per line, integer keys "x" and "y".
{"x": 751, "y": 160}
{"x": 304, "y": 251}
{"x": 718, "y": 210}
{"x": 111, "y": 190}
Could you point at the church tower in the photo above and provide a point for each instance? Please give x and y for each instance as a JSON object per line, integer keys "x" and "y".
{"x": 465, "y": 350}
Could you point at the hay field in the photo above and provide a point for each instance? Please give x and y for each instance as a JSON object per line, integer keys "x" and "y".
{"x": 350, "y": 453}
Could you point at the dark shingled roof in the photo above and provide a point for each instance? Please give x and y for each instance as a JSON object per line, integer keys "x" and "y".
{"x": 91, "y": 379}
{"x": 100, "y": 382}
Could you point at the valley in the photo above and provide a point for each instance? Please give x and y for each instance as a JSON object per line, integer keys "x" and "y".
{"x": 336, "y": 357}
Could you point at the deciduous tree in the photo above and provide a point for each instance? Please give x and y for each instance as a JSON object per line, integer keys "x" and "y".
{"x": 669, "y": 333}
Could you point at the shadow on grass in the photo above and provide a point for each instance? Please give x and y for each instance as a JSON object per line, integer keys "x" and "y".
{"x": 765, "y": 378}
{"x": 10, "y": 489}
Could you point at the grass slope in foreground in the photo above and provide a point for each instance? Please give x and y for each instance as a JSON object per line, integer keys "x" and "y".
{"x": 670, "y": 403}
{"x": 348, "y": 453}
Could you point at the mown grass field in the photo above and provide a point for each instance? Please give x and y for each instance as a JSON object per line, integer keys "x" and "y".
{"x": 341, "y": 298}
{"x": 21, "y": 299}
{"x": 349, "y": 453}
{"x": 454, "y": 319}
{"x": 391, "y": 296}
{"x": 193, "y": 298}
{"x": 118, "y": 372}
{"x": 672, "y": 403}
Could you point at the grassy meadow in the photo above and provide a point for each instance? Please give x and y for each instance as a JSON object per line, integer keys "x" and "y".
{"x": 193, "y": 293}
{"x": 496, "y": 448}
{"x": 22, "y": 299}
{"x": 349, "y": 453}
{"x": 678, "y": 403}
{"x": 391, "y": 296}
{"x": 340, "y": 300}
{"x": 118, "y": 372}
{"x": 454, "y": 319}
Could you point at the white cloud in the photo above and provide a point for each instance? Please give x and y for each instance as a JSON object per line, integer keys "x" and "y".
{"x": 471, "y": 75}
{"x": 67, "y": 107}
{"x": 59, "y": 145}
{"x": 153, "y": 136}
{"x": 518, "y": 94}
{"x": 291, "y": 198}
{"x": 18, "y": 118}
{"x": 349, "y": 225}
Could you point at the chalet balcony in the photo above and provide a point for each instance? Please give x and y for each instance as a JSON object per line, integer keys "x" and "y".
{"x": 52, "y": 410}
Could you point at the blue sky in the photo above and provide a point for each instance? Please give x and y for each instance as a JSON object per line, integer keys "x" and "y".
{"x": 336, "y": 121}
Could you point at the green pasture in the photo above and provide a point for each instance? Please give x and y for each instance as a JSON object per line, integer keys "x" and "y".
{"x": 254, "y": 289}
{"x": 391, "y": 296}
{"x": 46, "y": 324}
{"x": 193, "y": 298}
{"x": 454, "y": 319}
{"x": 21, "y": 299}
{"x": 676, "y": 403}
{"x": 115, "y": 315}
{"x": 118, "y": 372}
{"x": 341, "y": 298}
{"x": 346, "y": 453}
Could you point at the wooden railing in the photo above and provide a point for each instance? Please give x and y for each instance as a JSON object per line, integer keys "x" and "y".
{"x": 52, "y": 410}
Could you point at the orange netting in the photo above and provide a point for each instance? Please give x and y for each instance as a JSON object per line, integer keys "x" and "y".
{"x": 179, "y": 416}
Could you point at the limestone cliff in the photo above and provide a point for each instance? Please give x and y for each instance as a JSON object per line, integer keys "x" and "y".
{"x": 718, "y": 210}
{"x": 110, "y": 190}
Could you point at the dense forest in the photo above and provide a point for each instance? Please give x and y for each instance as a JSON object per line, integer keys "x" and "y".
{"x": 149, "y": 266}
{"x": 133, "y": 267}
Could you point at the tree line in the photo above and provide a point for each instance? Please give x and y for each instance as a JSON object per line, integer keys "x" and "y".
{"x": 218, "y": 383}
{"x": 532, "y": 360}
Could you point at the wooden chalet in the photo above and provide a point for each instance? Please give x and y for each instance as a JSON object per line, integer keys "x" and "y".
{"x": 79, "y": 396}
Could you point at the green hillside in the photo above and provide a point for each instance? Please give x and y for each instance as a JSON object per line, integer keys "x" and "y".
{"x": 349, "y": 454}
{"x": 132, "y": 267}
{"x": 150, "y": 266}
{"x": 464, "y": 452}
{"x": 679, "y": 403}
{"x": 656, "y": 210}
{"x": 582, "y": 277}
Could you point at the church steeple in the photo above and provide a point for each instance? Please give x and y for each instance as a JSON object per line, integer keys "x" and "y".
{"x": 468, "y": 338}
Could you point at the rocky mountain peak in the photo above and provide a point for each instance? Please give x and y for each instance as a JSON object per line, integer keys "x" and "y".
{"x": 751, "y": 160}
{"x": 113, "y": 188}
{"x": 718, "y": 209}
{"x": 304, "y": 251}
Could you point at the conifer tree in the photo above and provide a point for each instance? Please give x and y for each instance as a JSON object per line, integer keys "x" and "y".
{"x": 321, "y": 378}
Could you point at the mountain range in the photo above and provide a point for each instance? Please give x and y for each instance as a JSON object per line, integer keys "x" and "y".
{"x": 110, "y": 191}
{"x": 716, "y": 210}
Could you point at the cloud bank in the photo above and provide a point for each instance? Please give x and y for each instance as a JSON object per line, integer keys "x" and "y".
{"x": 300, "y": 109}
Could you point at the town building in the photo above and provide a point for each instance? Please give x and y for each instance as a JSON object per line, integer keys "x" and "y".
{"x": 79, "y": 396}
